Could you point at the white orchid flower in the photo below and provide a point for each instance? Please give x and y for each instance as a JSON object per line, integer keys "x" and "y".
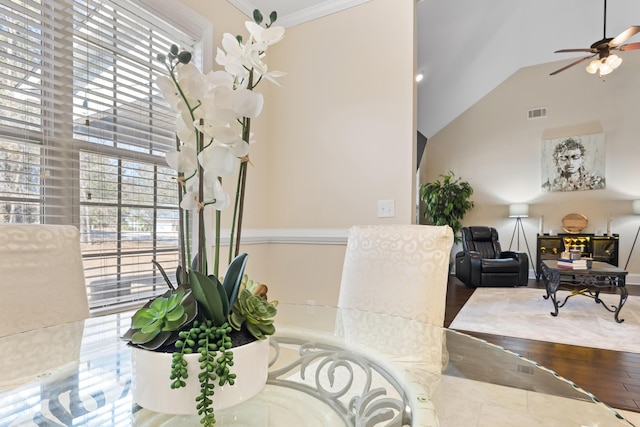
{"x": 271, "y": 76}
{"x": 185, "y": 114}
{"x": 169, "y": 91}
{"x": 218, "y": 160}
{"x": 184, "y": 160}
{"x": 239, "y": 147}
{"x": 268, "y": 36}
{"x": 222, "y": 134}
{"x": 232, "y": 58}
{"x": 217, "y": 107}
{"x": 185, "y": 131}
{"x": 190, "y": 201}
{"x": 214, "y": 195}
{"x": 215, "y": 79}
{"x": 214, "y": 191}
{"x": 191, "y": 82}
{"x": 247, "y": 103}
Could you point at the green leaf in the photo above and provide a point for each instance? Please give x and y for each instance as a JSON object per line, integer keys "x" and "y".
{"x": 175, "y": 314}
{"x": 140, "y": 337}
{"x": 158, "y": 341}
{"x": 156, "y": 325}
{"x": 267, "y": 329}
{"x": 207, "y": 293}
{"x": 175, "y": 324}
{"x": 254, "y": 330}
{"x": 141, "y": 318}
{"x": 174, "y": 300}
{"x": 233, "y": 277}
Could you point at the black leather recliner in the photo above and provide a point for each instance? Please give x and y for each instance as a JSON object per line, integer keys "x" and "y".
{"x": 483, "y": 263}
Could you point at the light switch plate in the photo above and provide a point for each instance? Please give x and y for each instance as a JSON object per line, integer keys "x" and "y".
{"x": 386, "y": 209}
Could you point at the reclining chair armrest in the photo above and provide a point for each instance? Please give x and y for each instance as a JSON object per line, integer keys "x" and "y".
{"x": 469, "y": 267}
{"x": 523, "y": 259}
{"x": 511, "y": 254}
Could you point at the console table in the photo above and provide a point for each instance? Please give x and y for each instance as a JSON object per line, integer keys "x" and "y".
{"x": 586, "y": 282}
{"x": 600, "y": 248}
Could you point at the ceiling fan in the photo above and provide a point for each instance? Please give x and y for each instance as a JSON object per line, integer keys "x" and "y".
{"x": 605, "y": 61}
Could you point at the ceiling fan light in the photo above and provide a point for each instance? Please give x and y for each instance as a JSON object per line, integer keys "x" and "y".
{"x": 605, "y": 69}
{"x": 614, "y": 61}
{"x": 593, "y": 66}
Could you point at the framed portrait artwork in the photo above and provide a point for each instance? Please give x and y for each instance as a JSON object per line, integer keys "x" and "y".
{"x": 573, "y": 163}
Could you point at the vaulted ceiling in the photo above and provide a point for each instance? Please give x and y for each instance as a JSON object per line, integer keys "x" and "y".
{"x": 468, "y": 47}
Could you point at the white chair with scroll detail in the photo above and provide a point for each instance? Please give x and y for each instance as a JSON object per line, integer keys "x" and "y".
{"x": 41, "y": 277}
{"x": 397, "y": 269}
{"x": 386, "y": 279}
{"x": 401, "y": 271}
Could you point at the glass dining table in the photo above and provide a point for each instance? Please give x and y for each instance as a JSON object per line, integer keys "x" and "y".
{"x": 329, "y": 367}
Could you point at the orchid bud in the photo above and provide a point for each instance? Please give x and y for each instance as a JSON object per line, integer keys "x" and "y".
{"x": 257, "y": 16}
{"x": 184, "y": 57}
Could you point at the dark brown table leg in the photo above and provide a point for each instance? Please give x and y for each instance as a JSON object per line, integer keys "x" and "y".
{"x": 551, "y": 280}
{"x": 623, "y": 297}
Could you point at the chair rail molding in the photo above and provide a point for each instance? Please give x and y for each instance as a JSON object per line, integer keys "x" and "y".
{"x": 309, "y": 236}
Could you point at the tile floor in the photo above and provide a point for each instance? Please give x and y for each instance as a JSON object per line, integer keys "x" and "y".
{"x": 488, "y": 405}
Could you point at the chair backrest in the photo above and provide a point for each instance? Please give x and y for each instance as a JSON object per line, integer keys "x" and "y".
{"x": 397, "y": 269}
{"x": 41, "y": 277}
{"x": 481, "y": 239}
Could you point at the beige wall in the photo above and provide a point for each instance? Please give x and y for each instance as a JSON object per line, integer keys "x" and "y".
{"x": 494, "y": 147}
{"x": 342, "y": 126}
{"x": 338, "y": 136}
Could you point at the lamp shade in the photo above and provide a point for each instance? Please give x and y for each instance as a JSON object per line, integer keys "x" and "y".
{"x": 518, "y": 210}
{"x": 635, "y": 207}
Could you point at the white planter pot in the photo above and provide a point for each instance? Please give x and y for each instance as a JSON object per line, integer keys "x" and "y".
{"x": 151, "y": 384}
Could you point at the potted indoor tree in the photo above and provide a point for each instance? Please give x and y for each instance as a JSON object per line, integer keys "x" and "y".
{"x": 446, "y": 201}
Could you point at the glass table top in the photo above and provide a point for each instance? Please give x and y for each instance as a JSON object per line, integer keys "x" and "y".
{"x": 80, "y": 374}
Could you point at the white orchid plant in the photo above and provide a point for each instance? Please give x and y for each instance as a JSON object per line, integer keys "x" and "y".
{"x": 214, "y": 121}
{"x": 213, "y": 129}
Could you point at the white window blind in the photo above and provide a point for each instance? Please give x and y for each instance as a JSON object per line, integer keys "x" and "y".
{"x": 83, "y": 132}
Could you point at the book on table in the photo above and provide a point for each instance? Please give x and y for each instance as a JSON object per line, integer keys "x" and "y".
{"x": 575, "y": 264}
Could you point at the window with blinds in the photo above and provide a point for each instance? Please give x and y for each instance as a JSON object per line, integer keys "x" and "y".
{"x": 83, "y": 132}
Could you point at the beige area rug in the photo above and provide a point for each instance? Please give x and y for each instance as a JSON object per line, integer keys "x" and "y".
{"x": 524, "y": 313}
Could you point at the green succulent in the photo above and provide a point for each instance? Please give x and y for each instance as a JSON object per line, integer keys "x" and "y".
{"x": 157, "y": 323}
{"x": 253, "y": 312}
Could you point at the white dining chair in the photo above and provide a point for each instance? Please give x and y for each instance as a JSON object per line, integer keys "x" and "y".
{"x": 41, "y": 277}
{"x": 397, "y": 269}
{"x": 401, "y": 271}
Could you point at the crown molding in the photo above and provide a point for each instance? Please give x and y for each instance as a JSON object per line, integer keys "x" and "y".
{"x": 300, "y": 16}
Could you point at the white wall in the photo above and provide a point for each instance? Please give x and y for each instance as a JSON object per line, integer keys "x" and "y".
{"x": 494, "y": 147}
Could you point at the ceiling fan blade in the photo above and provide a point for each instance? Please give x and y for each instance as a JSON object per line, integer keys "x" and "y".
{"x": 572, "y": 64}
{"x": 624, "y": 36}
{"x": 576, "y": 50}
{"x": 630, "y": 46}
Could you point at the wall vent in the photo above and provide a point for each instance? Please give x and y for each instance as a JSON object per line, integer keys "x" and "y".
{"x": 537, "y": 113}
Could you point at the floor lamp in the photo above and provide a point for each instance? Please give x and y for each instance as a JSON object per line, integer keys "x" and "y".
{"x": 635, "y": 207}
{"x": 519, "y": 211}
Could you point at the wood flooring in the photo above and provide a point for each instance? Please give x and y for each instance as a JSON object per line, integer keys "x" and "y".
{"x": 612, "y": 376}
